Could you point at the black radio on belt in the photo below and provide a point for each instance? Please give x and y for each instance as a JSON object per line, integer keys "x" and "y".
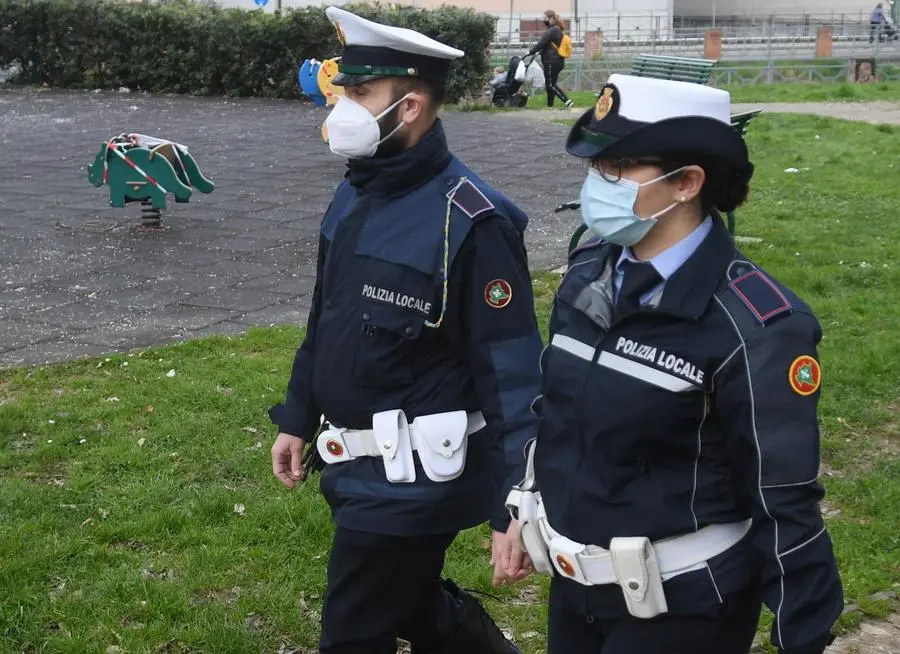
{"x": 312, "y": 460}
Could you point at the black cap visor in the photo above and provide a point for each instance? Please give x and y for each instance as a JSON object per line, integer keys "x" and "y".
{"x": 590, "y": 143}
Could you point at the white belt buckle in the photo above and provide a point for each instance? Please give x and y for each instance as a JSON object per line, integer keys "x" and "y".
{"x": 564, "y": 553}
{"x": 332, "y": 447}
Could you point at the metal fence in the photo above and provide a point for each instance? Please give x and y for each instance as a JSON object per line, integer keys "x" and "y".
{"x": 524, "y": 28}
{"x": 745, "y": 37}
{"x": 858, "y": 40}
{"x": 592, "y": 75}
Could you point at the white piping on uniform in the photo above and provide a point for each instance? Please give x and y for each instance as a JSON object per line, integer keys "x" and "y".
{"x": 700, "y": 437}
{"x": 799, "y": 483}
{"x": 715, "y": 585}
{"x": 620, "y": 364}
{"x": 804, "y": 543}
{"x": 697, "y": 462}
{"x": 644, "y": 373}
{"x": 762, "y": 498}
{"x": 574, "y": 346}
{"x": 725, "y": 363}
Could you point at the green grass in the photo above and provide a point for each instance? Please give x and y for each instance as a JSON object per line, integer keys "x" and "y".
{"x": 843, "y": 92}
{"x": 118, "y": 483}
{"x": 755, "y": 93}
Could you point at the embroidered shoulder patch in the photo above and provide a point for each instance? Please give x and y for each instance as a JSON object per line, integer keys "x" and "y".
{"x": 498, "y": 293}
{"x": 472, "y": 201}
{"x": 761, "y": 296}
{"x": 805, "y": 375}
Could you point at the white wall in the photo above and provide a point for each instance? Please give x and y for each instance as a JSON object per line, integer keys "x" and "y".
{"x": 627, "y": 18}
{"x": 818, "y": 8}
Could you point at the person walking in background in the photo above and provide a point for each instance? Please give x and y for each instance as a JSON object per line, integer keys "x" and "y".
{"x": 551, "y": 58}
{"x": 875, "y": 22}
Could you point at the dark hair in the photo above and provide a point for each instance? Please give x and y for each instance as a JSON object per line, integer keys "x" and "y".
{"x": 725, "y": 188}
{"x": 435, "y": 91}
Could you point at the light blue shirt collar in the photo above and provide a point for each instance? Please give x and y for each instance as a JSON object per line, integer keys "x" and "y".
{"x": 671, "y": 259}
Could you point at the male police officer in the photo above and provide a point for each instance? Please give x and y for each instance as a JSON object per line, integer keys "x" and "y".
{"x": 421, "y": 352}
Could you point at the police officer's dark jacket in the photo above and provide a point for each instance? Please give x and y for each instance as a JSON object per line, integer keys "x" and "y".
{"x": 699, "y": 409}
{"x": 368, "y": 349}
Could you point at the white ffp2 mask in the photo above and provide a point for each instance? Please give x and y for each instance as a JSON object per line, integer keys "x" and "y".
{"x": 353, "y": 132}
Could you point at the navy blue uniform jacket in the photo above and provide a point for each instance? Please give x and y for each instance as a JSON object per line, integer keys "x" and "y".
{"x": 368, "y": 348}
{"x": 701, "y": 409}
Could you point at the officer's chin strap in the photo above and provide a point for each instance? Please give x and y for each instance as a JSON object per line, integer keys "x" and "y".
{"x": 446, "y": 271}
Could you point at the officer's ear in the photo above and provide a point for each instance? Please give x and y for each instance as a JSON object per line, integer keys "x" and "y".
{"x": 415, "y": 104}
{"x": 689, "y": 183}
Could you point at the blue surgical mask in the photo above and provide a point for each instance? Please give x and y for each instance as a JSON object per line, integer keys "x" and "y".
{"x": 607, "y": 208}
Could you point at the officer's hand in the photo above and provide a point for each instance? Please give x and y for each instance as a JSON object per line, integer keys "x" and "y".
{"x": 518, "y": 565}
{"x": 501, "y": 558}
{"x": 287, "y": 457}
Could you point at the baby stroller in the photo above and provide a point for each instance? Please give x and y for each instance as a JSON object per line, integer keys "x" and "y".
{"x": 890, "y": 29}
{"x": 510, "y": 92}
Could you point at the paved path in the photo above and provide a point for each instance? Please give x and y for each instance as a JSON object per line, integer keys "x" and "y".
{"x": 78, "y": 278}
{"x": 870, "y": 112}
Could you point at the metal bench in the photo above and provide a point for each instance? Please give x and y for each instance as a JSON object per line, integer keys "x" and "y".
{"x": 680, "y": 69}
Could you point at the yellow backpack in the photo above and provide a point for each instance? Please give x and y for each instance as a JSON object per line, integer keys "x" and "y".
{"x": 565, "y": 46}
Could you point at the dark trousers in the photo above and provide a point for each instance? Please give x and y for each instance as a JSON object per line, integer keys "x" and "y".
{"x": 551, "y": 77}
{"x": 726, "y": 629}
{"x": 384, "y": 587}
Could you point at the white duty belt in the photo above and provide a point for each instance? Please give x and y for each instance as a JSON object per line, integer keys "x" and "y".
{"x": 634, "y": 563}
{"x": 439, "y": 438}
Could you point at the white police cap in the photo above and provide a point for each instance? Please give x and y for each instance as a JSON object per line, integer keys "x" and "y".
{"x": 650, "y": 100}
{"x": 373, "y": 50}
{"x": 643, "y": 116}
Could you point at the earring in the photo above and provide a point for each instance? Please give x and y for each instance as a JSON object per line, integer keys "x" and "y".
{"x": 682, "y": 199}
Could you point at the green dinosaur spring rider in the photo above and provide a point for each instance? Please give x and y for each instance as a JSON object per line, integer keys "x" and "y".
{"x": 138, "y": 167}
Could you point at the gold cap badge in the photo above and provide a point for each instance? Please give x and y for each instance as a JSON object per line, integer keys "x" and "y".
{"x": 604, "y": 104}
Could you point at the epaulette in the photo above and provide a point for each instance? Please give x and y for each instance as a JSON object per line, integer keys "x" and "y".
{"x": 764, "y": 299}
{"x": 471, "y": 200}
{"x": 593, "y": 242}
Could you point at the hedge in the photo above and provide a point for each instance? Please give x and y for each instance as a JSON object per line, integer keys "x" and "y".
{"x": 199, "y": 48}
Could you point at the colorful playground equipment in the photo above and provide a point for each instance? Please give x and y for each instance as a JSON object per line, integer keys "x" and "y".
{"x": 315, "y": 78}
{"x": 143, "y": 168}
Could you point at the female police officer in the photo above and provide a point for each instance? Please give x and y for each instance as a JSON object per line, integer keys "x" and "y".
{"x": 672, "y": 487}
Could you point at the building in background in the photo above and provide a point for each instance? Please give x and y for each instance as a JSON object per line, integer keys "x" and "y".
{"x": 817, "y": 11}
{"x": 518, "y": 21}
